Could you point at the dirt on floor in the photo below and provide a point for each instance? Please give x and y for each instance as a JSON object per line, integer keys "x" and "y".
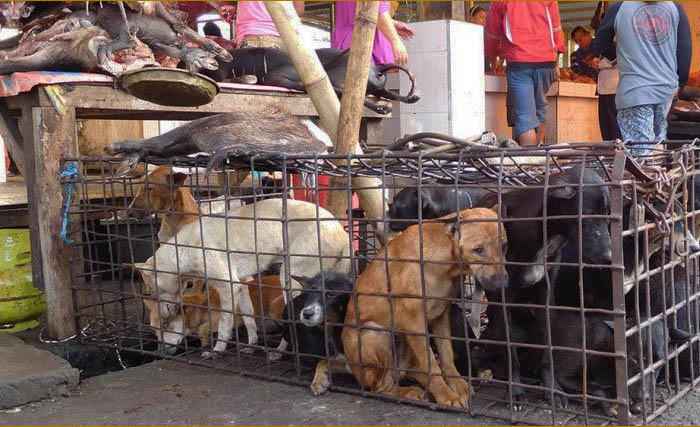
{"x": 169, "y": 392}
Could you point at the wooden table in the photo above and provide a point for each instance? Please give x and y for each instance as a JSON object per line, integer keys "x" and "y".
{"x": 572, "y": 114}
{"x": 38, "y": 136}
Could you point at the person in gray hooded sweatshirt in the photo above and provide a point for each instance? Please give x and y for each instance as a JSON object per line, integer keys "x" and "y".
{"x": 653, "y": 52}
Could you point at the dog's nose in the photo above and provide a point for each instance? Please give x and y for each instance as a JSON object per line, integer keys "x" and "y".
{"x": 499, "y": 281}
{"x": 308, "y": 313}
{"x": 606, "y": 256}
{"x": 694, "y": 246}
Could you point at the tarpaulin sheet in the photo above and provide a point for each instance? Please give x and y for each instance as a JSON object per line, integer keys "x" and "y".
{"x": 15, "y": 83}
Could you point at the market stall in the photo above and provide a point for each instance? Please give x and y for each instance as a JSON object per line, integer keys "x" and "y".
{"x": 572, "y": 114}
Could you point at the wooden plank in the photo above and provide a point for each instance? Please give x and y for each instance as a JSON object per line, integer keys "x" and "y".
{"x": 436, "y": 10}
{"x": 107, "y": 103}
{"x": 9, "y": 132}
{"x": 50, "y": 137}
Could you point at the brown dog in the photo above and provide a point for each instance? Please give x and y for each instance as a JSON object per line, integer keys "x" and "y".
{"x": 197, "y": 318}
{"x": 164, "y": 194}
{"x": 477, "y": 242}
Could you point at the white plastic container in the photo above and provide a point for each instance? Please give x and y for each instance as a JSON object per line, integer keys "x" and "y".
{"x": 447, "y": 58}
{"x": 3, "y": 160}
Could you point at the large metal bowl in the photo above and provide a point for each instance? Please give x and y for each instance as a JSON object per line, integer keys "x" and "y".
{"x": 169, "y": 86}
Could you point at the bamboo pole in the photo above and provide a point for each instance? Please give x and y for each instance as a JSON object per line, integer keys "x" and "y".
{"x": 324, "y": 98}
{"x": 353, "y": 101}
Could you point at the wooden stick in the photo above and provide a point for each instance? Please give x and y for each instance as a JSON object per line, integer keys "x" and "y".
{"x": 323, "y": 96}
{"x": 353, "y": 97}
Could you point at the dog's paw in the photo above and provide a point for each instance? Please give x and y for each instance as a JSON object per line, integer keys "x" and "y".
{"x": 211, "y": 355}
{"x": 320, "y": 385}
{"x": 413, "y": 393}
{"x": 485, "y": 376}
{"x": 461, "y": 387}
{"x": 445, "y": 396}
{"x": 561, "y": 401}
{"x": 247, "y": 350}
{"x": 518, "y": 398}
{"x": 274, "y": 356}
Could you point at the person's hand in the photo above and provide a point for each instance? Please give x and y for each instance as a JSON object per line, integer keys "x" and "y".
{"x": 405, "y": 32}
{"x": 496, "y": 66}
{"x": 557, "y": 73}
{"x": 400, "y": 53}
{"x": 228, "y": 13}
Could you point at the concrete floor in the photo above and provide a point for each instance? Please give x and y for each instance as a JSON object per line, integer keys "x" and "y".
{"x": 174, "y": 393}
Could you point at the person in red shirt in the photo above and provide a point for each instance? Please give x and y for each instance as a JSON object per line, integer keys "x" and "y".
{"x": 528, "y": 35}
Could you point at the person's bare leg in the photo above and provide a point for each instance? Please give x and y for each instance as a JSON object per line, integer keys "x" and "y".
{"x": 527, "y": 139}
{"x": 541, "y": 133}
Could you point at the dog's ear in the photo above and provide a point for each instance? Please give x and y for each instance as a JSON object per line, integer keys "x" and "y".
{"x": 678, "y": 336}
{"x": 500, "y": 208}
{"x": 150, "y": 304}
{"x": 564, "y": 193}
{"x": 303, "y": 281}
{"x": 177, "y": 179}
{"x": 610, "y": 324}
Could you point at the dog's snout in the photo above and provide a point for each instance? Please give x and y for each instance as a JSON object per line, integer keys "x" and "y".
{"x": 606, "y": 256}
{"x": 308, "y": 313}
{"x": 496, "y": 281}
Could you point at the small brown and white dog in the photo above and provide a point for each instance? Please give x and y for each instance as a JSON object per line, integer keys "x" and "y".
{"x": 476, "y": 247}
{"x": 162, "y": 192}
{"x": 240, "y": 246}
{"x": 200, "y": 312}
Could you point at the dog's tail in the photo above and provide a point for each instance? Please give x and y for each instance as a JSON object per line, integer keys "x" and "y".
{"x": 409, "y": 98}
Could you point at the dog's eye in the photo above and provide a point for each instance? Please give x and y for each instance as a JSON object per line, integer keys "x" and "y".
{"x": 478, "y": 250}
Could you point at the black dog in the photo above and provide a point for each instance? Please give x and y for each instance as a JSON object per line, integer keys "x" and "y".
{"x": 527, "y": 283}
{"x": 567, "y": 331}
{"x": 435, "y": 202}
{"x": 274, "y": 67}
{"x": 323, "y": 302}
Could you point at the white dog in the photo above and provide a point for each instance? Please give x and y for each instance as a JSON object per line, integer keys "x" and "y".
{"x": 251, "y": 248}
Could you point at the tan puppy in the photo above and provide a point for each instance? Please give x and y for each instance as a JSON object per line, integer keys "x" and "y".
{"x": 164, "y": 194}
{"x": 477, "y": 242}
{"x": 196, "y": 317}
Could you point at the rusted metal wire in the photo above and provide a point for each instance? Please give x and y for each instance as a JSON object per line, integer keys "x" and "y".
{"x": 651, "y": 277}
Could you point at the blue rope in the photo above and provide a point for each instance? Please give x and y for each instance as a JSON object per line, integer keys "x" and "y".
{"x": 70, "y": 171}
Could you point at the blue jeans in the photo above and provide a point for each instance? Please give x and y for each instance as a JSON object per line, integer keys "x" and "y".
{"x": 528, "y": 96}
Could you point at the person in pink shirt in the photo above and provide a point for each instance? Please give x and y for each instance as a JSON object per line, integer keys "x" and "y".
{"x": 388, "y": 47}
{"x": 255, "y": 28}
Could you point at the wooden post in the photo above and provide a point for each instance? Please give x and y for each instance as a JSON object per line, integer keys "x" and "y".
{"x": 49, "y": 137}
{"x": 12, "y": 137}
{"x": 324, "y": 98}
{"x": 353, "y": 96}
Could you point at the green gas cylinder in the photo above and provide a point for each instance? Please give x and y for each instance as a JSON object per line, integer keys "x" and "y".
{"x": 20, "y": 302}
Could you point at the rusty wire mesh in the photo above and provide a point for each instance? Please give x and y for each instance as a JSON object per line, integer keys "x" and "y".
{"x": 602, "y": 332}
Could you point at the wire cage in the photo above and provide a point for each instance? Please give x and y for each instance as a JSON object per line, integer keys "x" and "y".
{"x": 564, "y": 290}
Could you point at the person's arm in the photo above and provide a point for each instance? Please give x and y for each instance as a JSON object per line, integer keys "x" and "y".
{"x": 386, "y": 26}
{"x": 493, "y": 30}
{"x": 299, "y": 7}
{"x": 404, "y": 31}
{"x": 556, "y": 27}
{"x": 603, "y": 43}
{"x": 684, "y": 48}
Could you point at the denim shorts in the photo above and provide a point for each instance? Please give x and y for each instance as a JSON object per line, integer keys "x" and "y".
{"x": 527, "y": 90}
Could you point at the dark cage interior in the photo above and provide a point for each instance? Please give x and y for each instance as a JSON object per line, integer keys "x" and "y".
{"x": 540, "y": 286}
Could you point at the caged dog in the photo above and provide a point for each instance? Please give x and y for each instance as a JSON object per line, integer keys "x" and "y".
{"x": 527, "y": 282}
{"x": 323, "y": 301}
{"x": 252, "y": 247}
{"x": 435, "y": 202}
{"x": 470, "y": 242}
{"x": 201, "y": 310}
